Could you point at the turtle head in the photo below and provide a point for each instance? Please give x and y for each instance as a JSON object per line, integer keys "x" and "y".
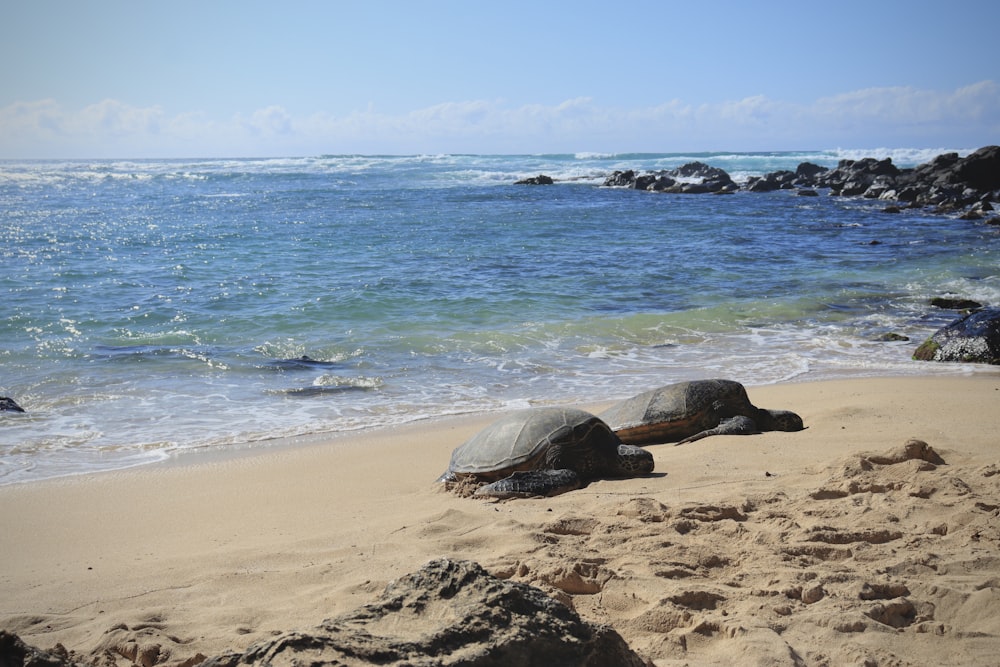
{"x": 632, "y": 461}
{"x": 779, "y": 420}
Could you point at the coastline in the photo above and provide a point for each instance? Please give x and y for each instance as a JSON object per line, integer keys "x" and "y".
{"x": 214, "y": 551}
{"x": 232, "y": 347}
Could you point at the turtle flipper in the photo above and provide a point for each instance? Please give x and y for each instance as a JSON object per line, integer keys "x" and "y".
{"x": 448, "y": 477}
{"x": 738, "y": 425}
{"x": 532, "y": 483}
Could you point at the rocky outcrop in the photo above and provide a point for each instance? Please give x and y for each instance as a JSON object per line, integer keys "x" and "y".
{"x": 948, "y": 182}
{"x": 691, "y": 178}
{"x": 980, "y": 170}
{"x": 973, "y": 338}
{"x": 449, "y": 612}
{"x": 777, "y": 180}
{"x": 857, "y": 177}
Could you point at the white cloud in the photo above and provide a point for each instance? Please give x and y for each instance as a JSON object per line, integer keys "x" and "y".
{"x": 978, "y": 102}
{"x": 111, "y": 118}
{"x": 901, "y": 116}
{"x": 274, "y": 120}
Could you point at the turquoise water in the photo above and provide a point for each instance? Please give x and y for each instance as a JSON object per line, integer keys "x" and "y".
{"x": 153, "y": 306}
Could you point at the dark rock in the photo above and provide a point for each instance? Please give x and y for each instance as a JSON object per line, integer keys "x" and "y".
{"x": 883, "y": 167}
{"x": 855, "y": 177}
{"x": 711, "y": 179}
{"x": 662, "y": 183}
{"x": 878, "y": 188}
{"x": 541, "y": 179}
{"x": 892, "y": 337}
{"x": 777, "y": 180}
{"x": 955, "y": 303}
{"x": 973, "y": 338}
{"x": 908, "y": 194}
{"x": 645, "y": 181}
{"x": 955, "y": 182}
{"x": 979, "y": 211}
{"x": 807, "y": 192}
{"x": 708, "y": 179}
{"x": 9, "y": 405}
{"x": 700, "y": 170}
{"x": 449, "y": 612}
{"x": 981, "y": 169}
{"x": 691, "y": 188}
{"x": 15, "y": 653}
{"x": 892, "y": 209}
{"x": 620, "y": 179}
{"x": 851, "y": 188}
{"x": 939, "y": 163}
{"x": 807, "y": 171}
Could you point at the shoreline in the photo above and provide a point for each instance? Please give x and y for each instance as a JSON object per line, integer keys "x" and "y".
{"x": 202, "y": 554}
{"x": 182, "y": 456}
{"x": 109, "y": 376}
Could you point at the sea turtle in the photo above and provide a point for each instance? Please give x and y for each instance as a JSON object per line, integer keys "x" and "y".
{"x": 689, "y": 411}
{"x": 544, "y": 452}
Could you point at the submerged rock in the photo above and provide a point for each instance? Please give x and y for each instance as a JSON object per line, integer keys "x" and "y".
{"x": 450, "y": 612}
{"x": 9, "y": 405}
{"x": 955, "y": 303}
{"x": 973, "y": 338}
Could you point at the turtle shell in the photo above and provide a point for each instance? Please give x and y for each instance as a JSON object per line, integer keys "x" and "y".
{"x": 677, "y": 411}
{"x": 540, "y": 438}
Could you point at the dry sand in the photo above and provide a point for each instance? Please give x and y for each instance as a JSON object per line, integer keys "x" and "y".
{"x": 774, "y": 549}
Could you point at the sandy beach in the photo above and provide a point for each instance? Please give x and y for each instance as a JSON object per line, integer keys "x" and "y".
{"x": 828, "y": 546}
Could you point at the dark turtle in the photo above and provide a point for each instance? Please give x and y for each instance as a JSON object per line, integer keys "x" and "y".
{"x": 689, "y": 411}
{"x": 544, "y": 452}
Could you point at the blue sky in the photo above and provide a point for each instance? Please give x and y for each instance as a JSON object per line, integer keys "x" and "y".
{"x": 131, "y": 79}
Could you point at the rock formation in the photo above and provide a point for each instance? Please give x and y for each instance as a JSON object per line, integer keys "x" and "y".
{"x": 448, "y": 612}
{"x": 973, "y": 338}
{"x": 948, "y": 183}
{"x": 691, "y": 178}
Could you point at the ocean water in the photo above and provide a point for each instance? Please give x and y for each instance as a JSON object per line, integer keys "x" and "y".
{"x": 153, "y": 306}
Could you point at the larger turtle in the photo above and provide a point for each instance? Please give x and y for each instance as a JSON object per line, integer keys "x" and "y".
{"x": 544, "y": 452}
{"x": 689, "y": 411}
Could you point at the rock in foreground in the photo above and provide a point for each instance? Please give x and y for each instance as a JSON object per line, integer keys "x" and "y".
{"x": 973, "y": 338}
{"x": 448, "y": 612}
{"x": 15, "y": 653}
